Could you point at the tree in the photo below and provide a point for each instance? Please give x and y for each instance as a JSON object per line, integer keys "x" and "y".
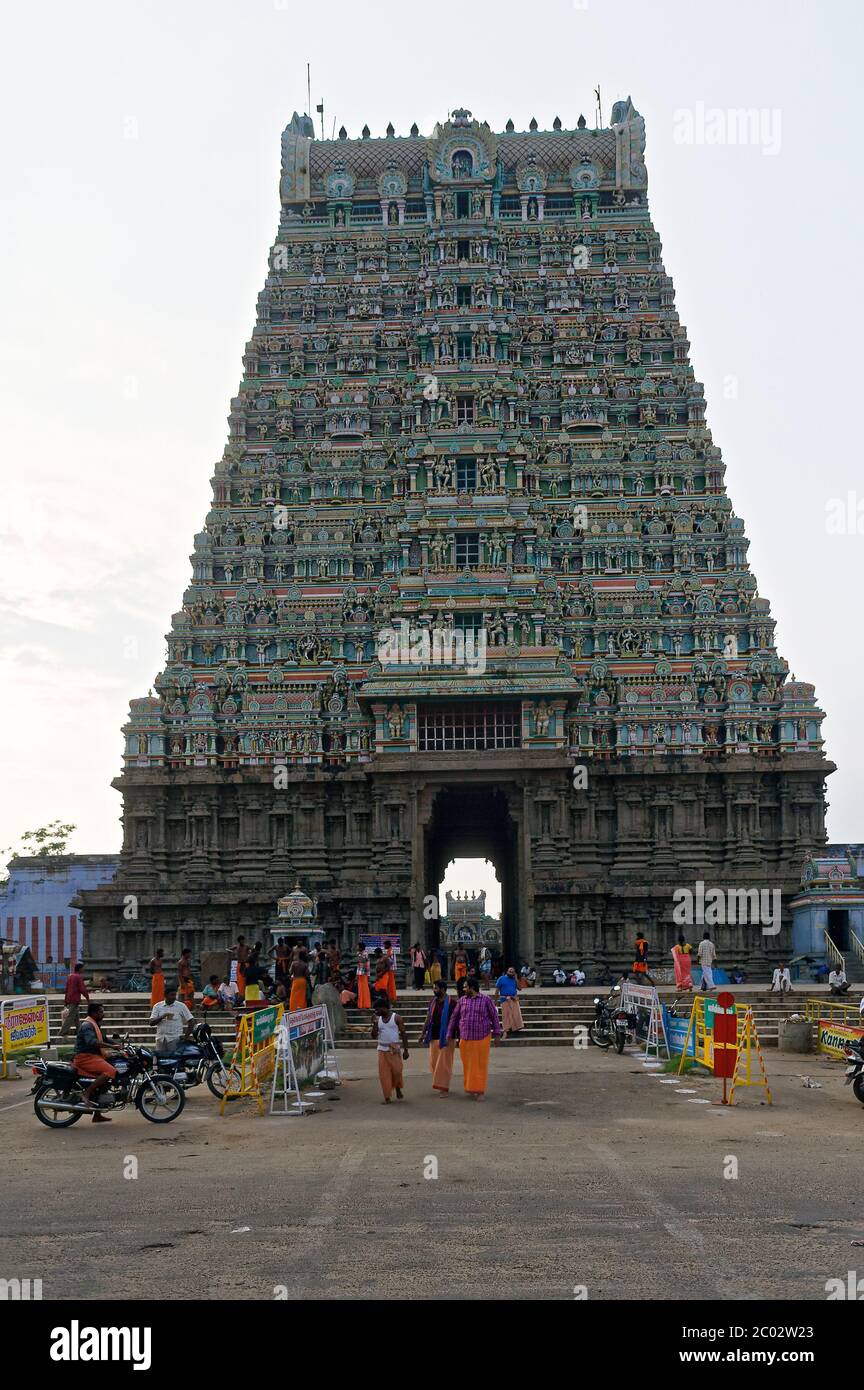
{"x": 44, "y": 843}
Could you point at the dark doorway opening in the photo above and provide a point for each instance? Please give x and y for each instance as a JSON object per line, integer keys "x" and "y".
{"x": 474, "y": 821}
{"x": 838, "y": 927}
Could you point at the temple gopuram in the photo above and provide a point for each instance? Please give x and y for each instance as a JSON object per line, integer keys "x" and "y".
{"x": 470, "y": 584}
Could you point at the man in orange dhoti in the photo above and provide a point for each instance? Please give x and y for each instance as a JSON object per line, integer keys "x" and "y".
{"x": 460, "y": 968}
{"x": 441, "y": 1051}
{"x": 364, "y": 998}
{"x": 391, "y": 973}
{"x": 389, "y": 1030}
{"x": 241, "y": 954}
{"x": 157, "y": 979}
{"x": 474, "y": 1021}
{"x": 299, "y": 983}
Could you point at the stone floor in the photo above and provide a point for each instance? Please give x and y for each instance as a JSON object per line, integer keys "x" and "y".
{"x": 580, "y": 1169}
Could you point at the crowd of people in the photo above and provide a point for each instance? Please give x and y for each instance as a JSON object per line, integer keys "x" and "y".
{"x": 465, "y": 1024}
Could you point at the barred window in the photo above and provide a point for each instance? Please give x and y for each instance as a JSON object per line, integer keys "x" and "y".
{"x": 465, "y": 410}
{"x": 467, "y": 549}
{"x": 466, "y": 474}
{"x": 469, "y": 727}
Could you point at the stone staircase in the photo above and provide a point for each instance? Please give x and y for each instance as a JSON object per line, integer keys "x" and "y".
{"x": 550, "y": 1015}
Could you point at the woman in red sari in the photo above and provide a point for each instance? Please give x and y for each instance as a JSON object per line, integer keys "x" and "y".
{"x": 681, "y": 961}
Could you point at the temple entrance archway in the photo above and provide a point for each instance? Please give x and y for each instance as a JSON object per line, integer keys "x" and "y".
{"x": 474, "y": 821}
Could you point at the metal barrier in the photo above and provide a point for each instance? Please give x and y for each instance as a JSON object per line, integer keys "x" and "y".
{"x": 835, "y": 1010}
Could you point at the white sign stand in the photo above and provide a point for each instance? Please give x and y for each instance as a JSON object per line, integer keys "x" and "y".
{"x": 635, "y": 996}
{"x": 330, "y": 1069}
{"x": 285, "y": 1083}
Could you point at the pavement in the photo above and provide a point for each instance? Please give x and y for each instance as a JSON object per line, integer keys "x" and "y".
{"x": 582, "y": 1174}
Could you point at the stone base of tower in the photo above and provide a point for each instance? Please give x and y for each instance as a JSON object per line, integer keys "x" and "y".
{"x": 582, "y": 868}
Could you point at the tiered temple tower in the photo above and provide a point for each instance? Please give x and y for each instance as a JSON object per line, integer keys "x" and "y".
{"x": 470, "y": 582}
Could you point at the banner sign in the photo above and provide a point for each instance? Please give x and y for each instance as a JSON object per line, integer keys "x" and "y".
{"x": 264, "y": 1023}
{"x": 304, "y": 1021}
{"x": 24, "y": 1024}
{"x": 379, "y": 942}
{"x": 833, "y": 1037}
{"x": 676, "y": 1033}
{"x": 307, "y": 1036}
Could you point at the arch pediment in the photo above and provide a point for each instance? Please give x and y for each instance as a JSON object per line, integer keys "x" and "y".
{"x": 462, "y": 150}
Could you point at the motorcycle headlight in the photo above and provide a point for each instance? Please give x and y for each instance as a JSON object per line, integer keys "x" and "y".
{"x": 596, "y": 1001}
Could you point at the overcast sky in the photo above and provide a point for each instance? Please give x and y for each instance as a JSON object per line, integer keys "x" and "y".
{"x": 139, "y": 200}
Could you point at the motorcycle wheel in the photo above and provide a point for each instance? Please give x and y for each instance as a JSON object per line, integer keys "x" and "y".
{"x": 160, "y": 1100}
{"x": 219, "y": 1078}
{"x": 62, "y": 1119}
{"x": 597, "y": 1038}
{"x": 858, "y": 1088}
{"x": 620, "y": 1040}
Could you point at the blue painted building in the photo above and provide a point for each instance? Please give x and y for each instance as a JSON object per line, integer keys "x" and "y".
{"x": 831, "y": 903}
{"x": 35, "y": 902}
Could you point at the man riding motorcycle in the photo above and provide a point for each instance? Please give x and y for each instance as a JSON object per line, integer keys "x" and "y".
{"x": 90, "y": 1060}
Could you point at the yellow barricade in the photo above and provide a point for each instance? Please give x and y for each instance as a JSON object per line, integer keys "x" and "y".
{"x": 748, "y": 1048}
{"x": 701, "y": 1028}
{"x": 254, "y": 1055}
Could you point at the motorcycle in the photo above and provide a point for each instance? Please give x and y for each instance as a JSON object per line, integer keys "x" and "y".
{"x": 58, "y": 1092}
{"x": 611, "y": 1024}
{"x": 855, "y": 1069}
{"x": 200, "y": 1059}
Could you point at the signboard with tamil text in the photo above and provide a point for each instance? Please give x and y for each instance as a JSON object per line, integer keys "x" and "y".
{"x": 24, "y": 1024}
{"x": 834, "y": 1037}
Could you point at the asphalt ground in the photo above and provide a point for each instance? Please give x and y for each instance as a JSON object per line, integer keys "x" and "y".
{"x": 582, "y": 1174}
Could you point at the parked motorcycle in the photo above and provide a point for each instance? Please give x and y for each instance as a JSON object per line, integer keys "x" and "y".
{"x": 200, "y": 1059}
{"x": 58, "y": 1092}
{"x": 855, "y": 1068}
{"x": 611, "y": 1023}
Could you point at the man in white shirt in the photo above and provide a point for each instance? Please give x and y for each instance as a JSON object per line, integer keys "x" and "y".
{"x": 837, "y": 982}
{"x": 226, "y": 993}
{"x": 707, "y": 953}
{"x": 578, "y": 977}
{"x": 173, "y": 1022}
{"x": 781, "y": 980}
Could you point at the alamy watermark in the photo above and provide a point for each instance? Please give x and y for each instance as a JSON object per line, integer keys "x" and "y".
{"x": 718, "y": 907}
{"x": 759, "y": 126}
{"x": 404, "y": 645}
{"x": 844, "y": 516}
